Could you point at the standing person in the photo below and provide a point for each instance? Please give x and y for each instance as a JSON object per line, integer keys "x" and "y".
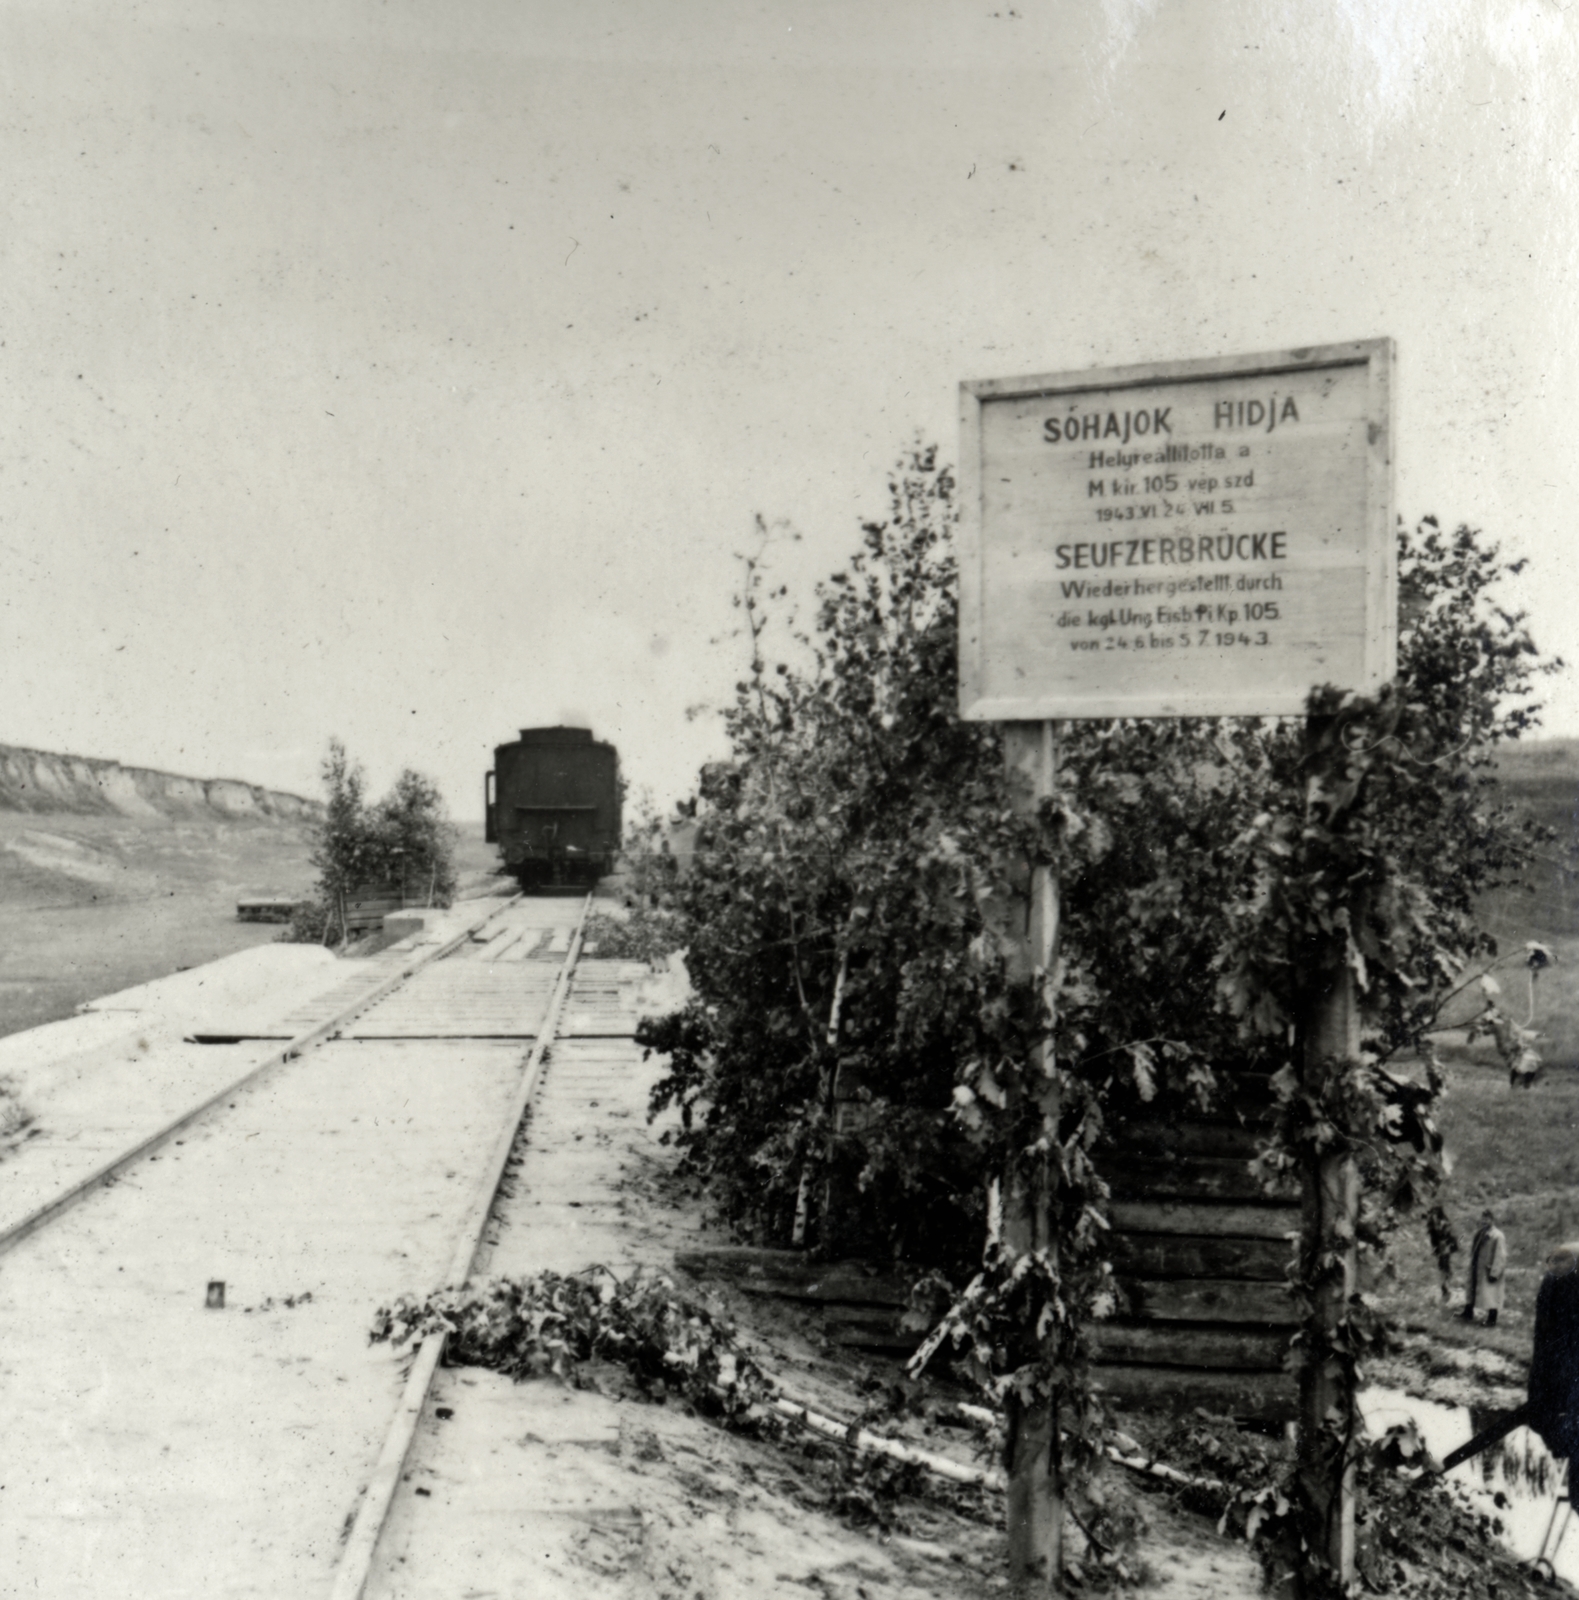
{"x": 1488, "y": 1260}
{"x": 1554, "y": 1366}
{"x": 1444, "y": 1246}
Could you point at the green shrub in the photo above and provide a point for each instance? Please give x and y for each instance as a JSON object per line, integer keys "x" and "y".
{"x": 313, "y": 921}
{"x": 405, "y": 839}
{"x": 854, "y": 1021}
{"x": 555, "y": 1323}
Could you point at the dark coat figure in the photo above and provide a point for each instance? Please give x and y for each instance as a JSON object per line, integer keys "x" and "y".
{"x": 1554, "y": 1365}
{"x": 1488, "y": 1261}
{"x": 1444, "y": 1246}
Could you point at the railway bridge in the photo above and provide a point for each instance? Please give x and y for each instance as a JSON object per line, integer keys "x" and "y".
{"x": 191, "y": 1250}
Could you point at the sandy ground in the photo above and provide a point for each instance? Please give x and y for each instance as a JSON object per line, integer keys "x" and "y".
{"x": 98, "y": 1084}
{"x": 158, "y": 1448}
{"x": 542, "y": 1490}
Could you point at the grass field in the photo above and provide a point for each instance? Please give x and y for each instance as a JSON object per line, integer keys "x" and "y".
{"x": 1543, "y": 780}
{"x": 1516, "y": 1151}
{"x": 93, "y": 904}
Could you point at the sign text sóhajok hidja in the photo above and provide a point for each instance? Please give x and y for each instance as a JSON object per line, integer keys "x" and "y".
{"x": 1196, "y": 538}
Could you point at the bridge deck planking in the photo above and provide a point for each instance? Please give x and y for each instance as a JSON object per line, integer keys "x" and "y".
{"x": 215, "y": 1453}
{"x": 183, "y": 1479}
{"x": 588, "y": 1127}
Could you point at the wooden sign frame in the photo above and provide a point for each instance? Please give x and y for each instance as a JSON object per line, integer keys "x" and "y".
{"x": 999, "y": 680}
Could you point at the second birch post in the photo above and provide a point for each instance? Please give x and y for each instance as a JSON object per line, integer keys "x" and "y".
{"x": 1328, "y": 1414}
{"x": 1328, "y": 1405}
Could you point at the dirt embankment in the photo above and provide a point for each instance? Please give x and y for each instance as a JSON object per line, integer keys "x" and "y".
{"x": 40, "y": 781}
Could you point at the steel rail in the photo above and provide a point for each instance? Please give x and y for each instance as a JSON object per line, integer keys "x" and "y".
{"x": 63, "y": 1202}
{"x": 378, "y": 1498}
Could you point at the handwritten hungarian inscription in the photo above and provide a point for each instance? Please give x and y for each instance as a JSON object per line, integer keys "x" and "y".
{"x": 1209, "y": 538}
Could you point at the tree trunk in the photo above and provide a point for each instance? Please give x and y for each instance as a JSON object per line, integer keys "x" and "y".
{"x": 840, "y": 1196}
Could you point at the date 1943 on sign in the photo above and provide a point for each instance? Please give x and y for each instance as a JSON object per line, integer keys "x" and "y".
{"x": 1226, "y": 523}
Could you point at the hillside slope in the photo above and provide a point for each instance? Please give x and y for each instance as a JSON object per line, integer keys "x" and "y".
{"x": 113, "y": 875}
{"x": 42, "y": 781}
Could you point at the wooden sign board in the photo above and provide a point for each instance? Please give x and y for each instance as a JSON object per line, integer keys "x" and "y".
{"x": 1194, "y": 538}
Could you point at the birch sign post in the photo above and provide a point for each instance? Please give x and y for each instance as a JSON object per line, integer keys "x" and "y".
{"x": 1197, "y": 538}
{"x": 1035, "y": 1492}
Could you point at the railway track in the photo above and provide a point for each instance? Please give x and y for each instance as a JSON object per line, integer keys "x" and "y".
{"x": 158, "y": 1446}
{"x": 344, "y": 1005}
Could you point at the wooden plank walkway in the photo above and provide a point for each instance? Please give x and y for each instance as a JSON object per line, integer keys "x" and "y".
{"x": 500, "y": 1467}
{"x": 159, "y": 1448}
{"x": 464, "y": 998}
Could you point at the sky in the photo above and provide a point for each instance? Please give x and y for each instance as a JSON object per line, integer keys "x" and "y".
{"x": 412, "y": 373}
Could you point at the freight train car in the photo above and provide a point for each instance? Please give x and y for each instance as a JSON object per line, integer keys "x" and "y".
{"x": 553, "y": 806}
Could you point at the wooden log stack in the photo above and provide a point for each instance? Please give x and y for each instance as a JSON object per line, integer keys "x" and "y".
{"x": 266, "y": 908}
{"x": 1199, "y": 1249}
{"x": 1201, "y": 1254}
{"x": 860, "y": 1308}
